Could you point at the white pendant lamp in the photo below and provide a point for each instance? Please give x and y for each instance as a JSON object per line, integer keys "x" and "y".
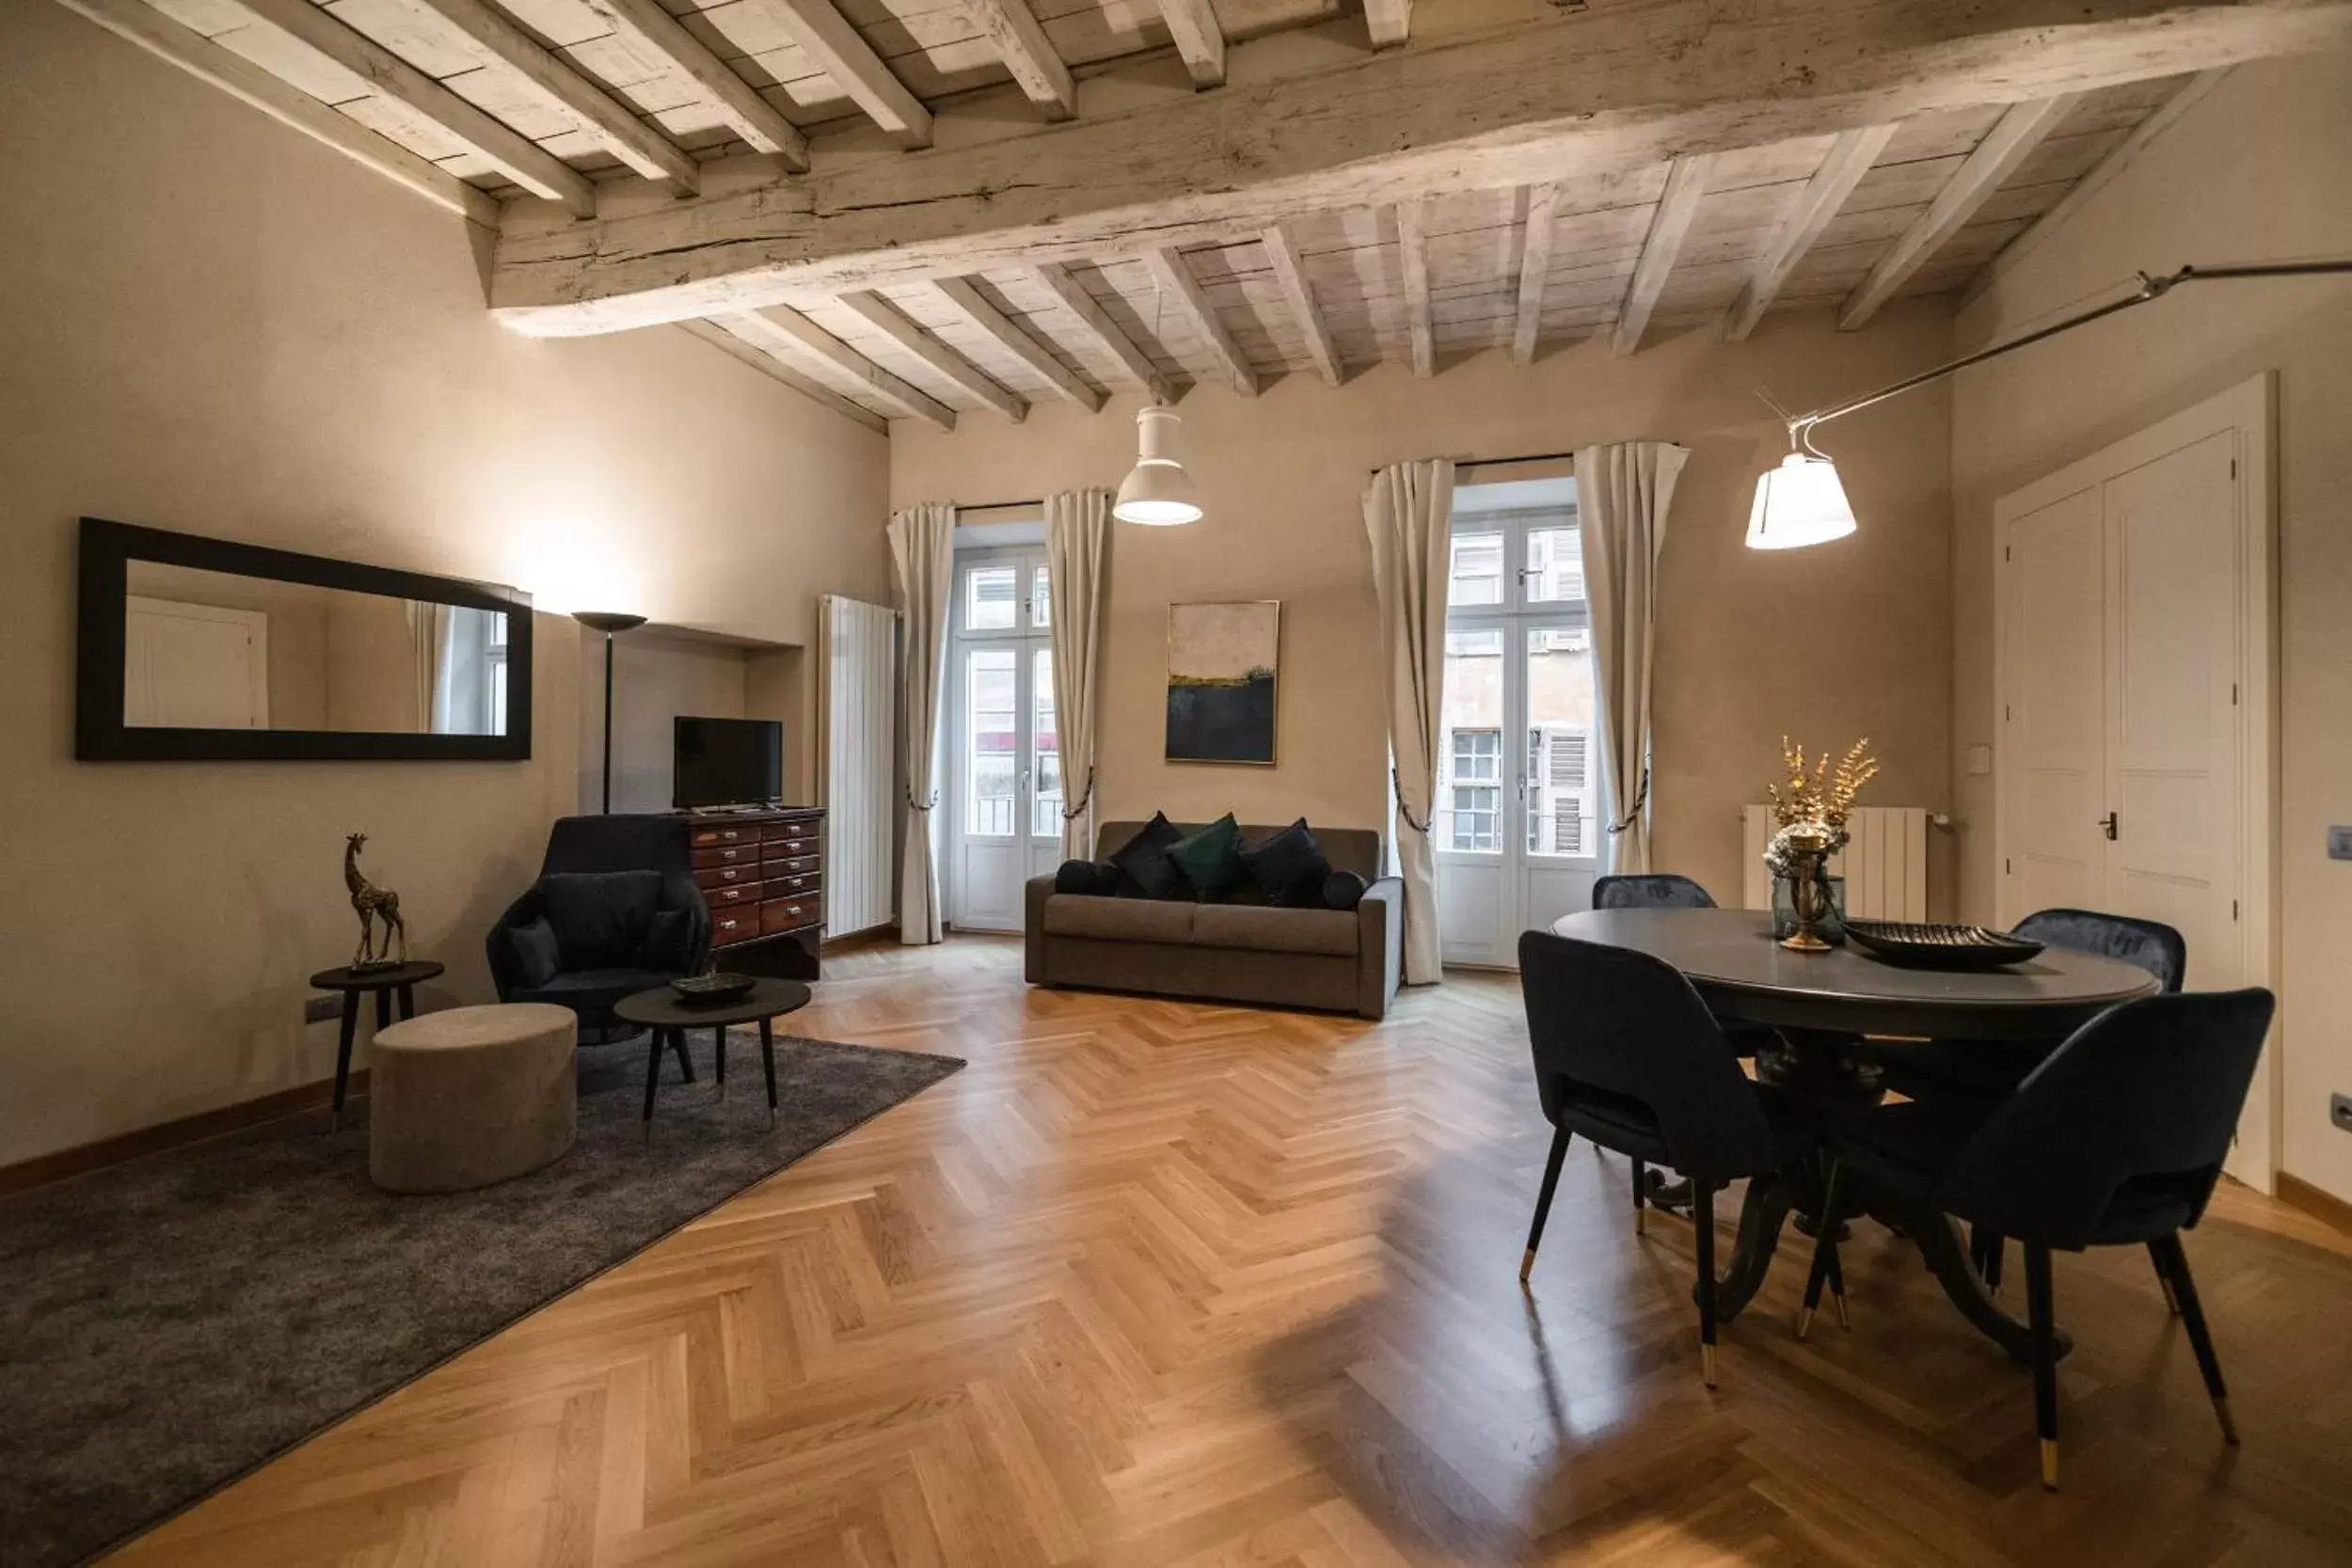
{"x": 1158, "y": 493}
{"x": 1799, "y": 503}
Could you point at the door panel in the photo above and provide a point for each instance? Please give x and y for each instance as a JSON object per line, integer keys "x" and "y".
{"x": 2057, "y": 660}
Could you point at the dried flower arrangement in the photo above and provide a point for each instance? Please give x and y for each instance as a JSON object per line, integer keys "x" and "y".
{"x": 1811, "y": 815}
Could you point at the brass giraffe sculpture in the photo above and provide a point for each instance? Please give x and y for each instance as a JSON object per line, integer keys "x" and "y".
{"x": 372, "y": 903}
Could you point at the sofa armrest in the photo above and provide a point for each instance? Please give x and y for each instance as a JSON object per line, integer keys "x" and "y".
{"x": 1033, "y": 928}
{"x": 1379, "y": 947}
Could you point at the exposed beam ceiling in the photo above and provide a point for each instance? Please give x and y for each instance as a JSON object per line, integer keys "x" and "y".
{"x": 884, "y": 317}
{"x": 1412, "y": 249}
{"x": 1007, "y": 335}
{"x": 1594, "y": 90}
{"x": 1012, "y": 28}
{"x": 788, "y": 334}
{"x": 1979, "y": 175}
{"x": 1849, "y": 158}
{"x": 1104, "y": 333}
{"x": 842, "y": 54}
{"x": 654, "y": 31}
{"x": 1542, "y": 214}
{"x": 1281, "y": 253}
{"x": 1193, "y": 25}
{"x": 1184, "y": 296}
{"x": 768, "y": 365}
{"x": 1685, "y": 182}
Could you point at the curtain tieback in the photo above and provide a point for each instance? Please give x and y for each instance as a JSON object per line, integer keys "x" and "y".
{"x": 1640, "y": 803}
{"x": 1402, "y": 809}
{"x": 926, "y": 805}
{"x": 1077, "y": 808}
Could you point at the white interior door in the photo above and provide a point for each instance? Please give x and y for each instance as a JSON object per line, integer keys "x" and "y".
{"x": 192, "y": 666}
{"x": 2055, "y": 720}
{"x": 1005, "y": 826}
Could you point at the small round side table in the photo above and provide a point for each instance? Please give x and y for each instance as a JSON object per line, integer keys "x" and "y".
{"x": 354, "y": 983}
{"x": 669, "y": 1016}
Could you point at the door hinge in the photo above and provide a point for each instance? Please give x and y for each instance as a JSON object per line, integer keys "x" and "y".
{"x": 2008, "y": 868}
{"x": 2233, "y": 467}
{"x": 2005, "y": 713}
{"x": 2233, "y": 693}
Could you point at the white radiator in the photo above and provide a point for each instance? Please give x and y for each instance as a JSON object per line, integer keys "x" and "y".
{"x": 1885, "y": 863}
{"x": 857, "y": 723}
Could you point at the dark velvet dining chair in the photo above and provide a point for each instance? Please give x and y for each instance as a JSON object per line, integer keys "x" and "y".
{"x": 1627, "y": 1056}
{"x": 1652, "y": 891}
{"x": 2116, "y": 1140}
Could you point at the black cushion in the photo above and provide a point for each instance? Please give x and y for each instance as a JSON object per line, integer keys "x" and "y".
{"x": 1211, "y": 859}
{"x": 1144, "y": 869}
{"x": 667, "y": 938}
{"x": 1074, "y": 877}
{"x": 536, "y": 951}
{"x": 1342, "y": 890}
{"x": 1288, "y": 867}
{"x": 601, "y": 918}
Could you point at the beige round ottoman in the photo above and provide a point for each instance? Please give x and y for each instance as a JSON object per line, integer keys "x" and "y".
{"x": 471, "y": 1096}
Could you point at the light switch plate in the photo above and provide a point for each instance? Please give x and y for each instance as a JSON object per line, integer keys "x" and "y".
{"x": 1980, "y": 759}
{"x": 2340, "y": 843}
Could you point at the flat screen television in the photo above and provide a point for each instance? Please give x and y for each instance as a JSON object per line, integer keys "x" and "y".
{"x": 726, "y": 762}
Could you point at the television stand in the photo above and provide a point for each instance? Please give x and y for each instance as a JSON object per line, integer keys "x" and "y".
{"x": 762, "y": 871}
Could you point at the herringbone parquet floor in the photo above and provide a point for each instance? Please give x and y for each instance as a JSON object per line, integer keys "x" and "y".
{"x": 1163, "y": 1284}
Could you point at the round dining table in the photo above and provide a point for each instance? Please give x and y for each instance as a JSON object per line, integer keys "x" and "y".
{"x": 1819, "y": 1002}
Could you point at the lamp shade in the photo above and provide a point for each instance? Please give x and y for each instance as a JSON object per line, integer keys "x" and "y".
{"x": 1799, "y": 503}
{"x": 1157, "y": 492}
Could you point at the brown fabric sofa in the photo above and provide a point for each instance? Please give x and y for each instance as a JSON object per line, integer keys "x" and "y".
{"x": 1341, "y": 960}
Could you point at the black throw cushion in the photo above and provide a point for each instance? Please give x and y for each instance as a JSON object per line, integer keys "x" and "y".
{"x": 535, "y": 952}
{"x": 1211, "y": 859}
{"x": 1288, "y": 867}
{"x": 1144, "y": 869}
{"x": 601, "y": 918}
{"x": 1080, "y": 876}
{"x": 1342, "y": 890}
{"x": 666, "y": 940}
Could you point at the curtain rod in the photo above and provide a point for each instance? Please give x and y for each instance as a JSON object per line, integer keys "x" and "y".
{"x": 1498, "y": 462}
{"x": 996, "y": 506}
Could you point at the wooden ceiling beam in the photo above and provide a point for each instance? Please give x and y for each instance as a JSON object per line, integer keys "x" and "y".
{"x": 1606, "y": 89}
{"x": 1029, "y": 53}
{"x": 648, "y": 26}
{"x": 490, "y": 36}
{"x": 1543, "y": 216}
{"x": 1686, "y": 186}
{"x": 775, "y": 369}
{"x": 842, "y": 54}
{"x": 233, "y": 74}
{"x": 1007, "y": 335}
{"x": 2010, "y": 141}
{"x": 1183, "y": 295}
{"x": 1281, "y": 253}
{"x": 785, "y": 332}
{"x": 512, "y": 154}
{"x": 1848, "y": 159}
{"x": 1105, "y": 333}
{"x": 1412, "y": 249}
{"x": 1193, "y": 26}
{"x": 884, "y": 317}
{"x": 1389, "y": 21}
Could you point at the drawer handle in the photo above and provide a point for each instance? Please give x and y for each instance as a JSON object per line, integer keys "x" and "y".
{"x": 730, "y": 853}
{"x": 731, "y": 835}
{"x": 729, "y": 873}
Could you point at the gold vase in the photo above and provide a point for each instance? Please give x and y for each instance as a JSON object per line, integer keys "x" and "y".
{"x": 1806, "y": 899}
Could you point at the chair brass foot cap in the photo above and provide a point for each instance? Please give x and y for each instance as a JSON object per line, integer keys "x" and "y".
{"x": 1843, "y": 1321}
{"x": 1706, "y": 1364}
{"x": 1804, "y": 1320}
{"x": 1641, "y": 1222}
{"x": 2049, "y": 1464}
{"x": 1527, "y": 1264}
{"x": 2229, "y": 1423}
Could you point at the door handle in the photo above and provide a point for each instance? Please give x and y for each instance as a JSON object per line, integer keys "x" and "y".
{"x": 2107, "y": 825}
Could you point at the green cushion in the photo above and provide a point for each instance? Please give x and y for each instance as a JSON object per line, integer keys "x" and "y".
{"x": 1211, "y": 859}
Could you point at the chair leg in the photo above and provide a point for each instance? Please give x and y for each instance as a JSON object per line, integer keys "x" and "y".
{"x": 2173, "y": 1267}
{"x": 2043, "y": 1315}
{"x": 1825, "y": 1269}
{"x": 1703, "y": 1217}
{"x": 1560, "y": 1139}
{"x": 1986, "y": 1249}
{"x": 2164, "y": 1278}
{"x": 1641, "y": 1202}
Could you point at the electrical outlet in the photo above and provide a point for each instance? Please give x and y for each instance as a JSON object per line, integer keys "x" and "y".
{"x": 2340, "y": 843}
{"x": 2340, "y": 1111}
{"x": 322, "y": 1010}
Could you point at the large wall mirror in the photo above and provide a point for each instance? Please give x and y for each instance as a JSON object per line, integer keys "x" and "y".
{"x": 201, "y": 648}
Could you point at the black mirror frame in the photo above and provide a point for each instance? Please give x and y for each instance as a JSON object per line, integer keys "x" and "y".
{"x": 107, "y": 548}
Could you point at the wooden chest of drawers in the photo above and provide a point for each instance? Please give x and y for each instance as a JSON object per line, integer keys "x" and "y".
{"x": 763, "y": 874}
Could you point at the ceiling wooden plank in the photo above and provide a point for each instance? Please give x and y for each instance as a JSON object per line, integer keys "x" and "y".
{"x": 884, "y": 317}
{"x": 1686, "y": 183}
{"x": 768, "y": 365}
{"x": 1193, "y": 26}
{"x": 1412, "y": 249}
{"x": 1281, "y": 253}
{"x": 1106, "y": 332}
{"x": 233, "y": 74}
{"x": 490, "y": 36}
{"x": 1029, "y": 53}
{"x": 1007, "y": 335}
{"x": 842, "y": 54}
{"x": 2191, "y": 92}
{"x": 509, "y": 152}
{"x": 648, "y": 26}
{"x": 1848, "y": 159}
{"x": 1183, "y": 295}
{"x": 2013, "y": 138}
{"x": 784, "y": 331}
{"x": 1542, "y": 217}
{"x": 1607, "y": 90}
{"x": 1389, "y": 21}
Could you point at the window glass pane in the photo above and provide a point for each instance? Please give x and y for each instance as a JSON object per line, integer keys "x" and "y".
{"x": 1477, "y": 574}
{"x": 989, "y": 597}
{"x": 1041, "y": 599}
{"x": 1045, "y": 808}
{"x": 1561, "y": 776}
{"x": 991, "y": 727}
{"x": 1555, "y": 565}
{"x": 1468, "y": 809}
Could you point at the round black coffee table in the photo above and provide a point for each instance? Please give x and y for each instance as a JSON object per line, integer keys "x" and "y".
{"x": 668, "y": 1015}
{"x": 382, "y": 980}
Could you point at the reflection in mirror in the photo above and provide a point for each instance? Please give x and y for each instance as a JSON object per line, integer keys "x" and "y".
{"x": 213, "y": 650}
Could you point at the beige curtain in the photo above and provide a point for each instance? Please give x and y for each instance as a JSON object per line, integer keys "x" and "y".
{"x": 428, "y": 636}
{"x": 1408, "y": 512}
{"x": 1622, "y": 494}
{"x": 1078, "y": 562}
{"x": 923, "y": 554}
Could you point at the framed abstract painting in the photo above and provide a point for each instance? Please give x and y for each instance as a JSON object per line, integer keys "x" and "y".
{"x": 1222, "y": 661}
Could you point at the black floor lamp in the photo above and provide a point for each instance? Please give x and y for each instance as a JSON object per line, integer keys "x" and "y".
{"x": 607, "y": 622}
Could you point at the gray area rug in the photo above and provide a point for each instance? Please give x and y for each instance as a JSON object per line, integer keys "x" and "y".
{"x": 167, "y": 1326}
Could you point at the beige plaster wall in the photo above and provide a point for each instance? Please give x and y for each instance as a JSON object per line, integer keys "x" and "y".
{"x": 2261, "y": 170}
{"x": 208, "y": 322}
{"x": 1847, "y": 640}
